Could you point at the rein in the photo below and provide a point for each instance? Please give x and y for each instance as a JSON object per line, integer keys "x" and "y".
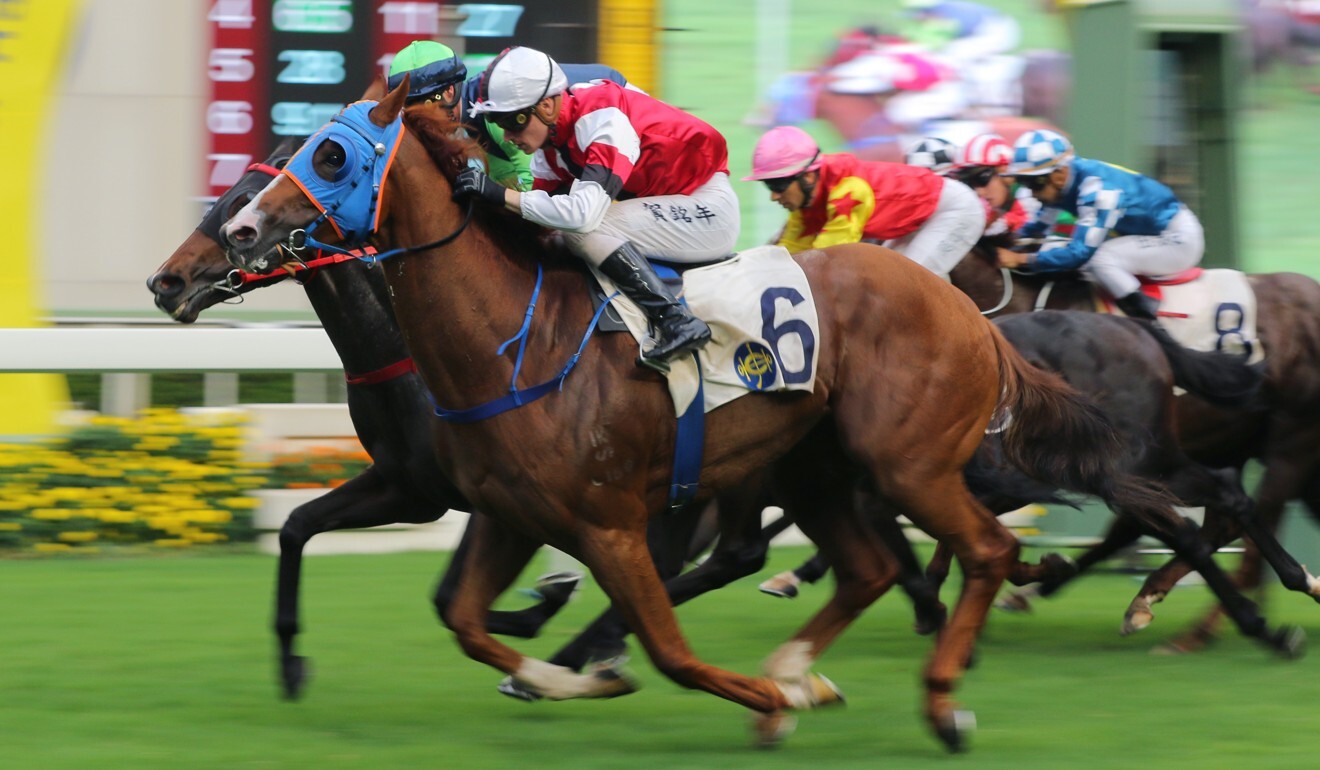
{"x": 299, "y": 241}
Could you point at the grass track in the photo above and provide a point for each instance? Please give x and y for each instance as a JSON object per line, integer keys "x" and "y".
{"x": 166, "y": 662}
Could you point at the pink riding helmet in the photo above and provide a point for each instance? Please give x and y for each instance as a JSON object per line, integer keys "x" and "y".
{"x": 783, "y": 151}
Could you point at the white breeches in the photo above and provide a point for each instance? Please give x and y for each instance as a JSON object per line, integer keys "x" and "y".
{"x": 943, "y": 240}
{"x": 679, "y": 228}
{"x": 1118, "y": 261}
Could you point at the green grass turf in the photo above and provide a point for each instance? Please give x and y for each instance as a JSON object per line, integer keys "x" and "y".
{"x": 167, "y": 663}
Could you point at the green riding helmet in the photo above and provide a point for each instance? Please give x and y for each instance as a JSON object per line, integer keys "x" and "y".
{"x": 433, "y": 67}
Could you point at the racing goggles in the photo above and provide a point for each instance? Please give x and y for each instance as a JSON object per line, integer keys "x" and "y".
{"x": 976, "y": 177}
{"x": 778, "y": 186}
{"x": 1033, "y": 182}
{"x": 512, "y": 122}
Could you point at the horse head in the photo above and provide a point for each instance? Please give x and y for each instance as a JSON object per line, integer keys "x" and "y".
{"x": 337, "y": 178}
{"x": 197, "y": 275}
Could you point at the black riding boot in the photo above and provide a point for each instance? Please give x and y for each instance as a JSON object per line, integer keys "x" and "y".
{"x": 1138, "y": 305}
{"x": 677, "y": 331}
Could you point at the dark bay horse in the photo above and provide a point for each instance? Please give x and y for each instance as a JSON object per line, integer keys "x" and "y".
{"x": 1283, "y": 435}
{"x": 909, "y": 377}
{"x": 1130, "y": 373}
{"x": 388, "y": 405}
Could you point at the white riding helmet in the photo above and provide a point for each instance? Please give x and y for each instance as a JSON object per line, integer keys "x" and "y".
{"x": 518, "y": 79}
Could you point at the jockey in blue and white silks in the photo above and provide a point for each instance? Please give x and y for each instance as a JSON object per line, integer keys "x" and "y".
{"x": 1127, "y": 224}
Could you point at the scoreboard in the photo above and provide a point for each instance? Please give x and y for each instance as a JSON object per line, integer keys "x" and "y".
{"x": 281, "y": 68}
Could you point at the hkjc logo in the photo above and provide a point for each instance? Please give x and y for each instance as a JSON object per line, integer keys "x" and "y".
{"x": 755, "y": 365}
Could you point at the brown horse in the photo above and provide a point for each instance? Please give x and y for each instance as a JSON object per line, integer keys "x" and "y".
{"x": 1284, "y": 436}
{"x": 908, "y": 379}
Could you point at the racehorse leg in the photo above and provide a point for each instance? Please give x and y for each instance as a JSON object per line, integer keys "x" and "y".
{"x": 986, "y": 551}
{"x": 367, "y": 500}
{"x": 1281, "y": 482}
{"x": 497, "y": 555}
{"x": 555, "y": 590}
{"x": 1055, "y": 571}
{"x": 925, "y": 594}
{"x": 785, "y": 584}
{"x": 621, "y": 565}
{"x": 740, "y": 551}
{"x": 818, "y": 486}
{"x": 1184, "y": 537}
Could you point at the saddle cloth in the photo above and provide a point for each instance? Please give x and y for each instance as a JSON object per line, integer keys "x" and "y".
{"x": 762, "y": 321}
{"x": 1215, "y": 311}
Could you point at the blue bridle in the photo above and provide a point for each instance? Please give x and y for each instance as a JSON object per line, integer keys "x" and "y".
{"x": 351, "y": 200}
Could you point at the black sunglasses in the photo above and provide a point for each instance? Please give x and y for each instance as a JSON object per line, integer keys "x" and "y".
{"x": 976, "y": 178}
{"x": 512, "y": 122}
{"x": 778, "y": 186}
{"x": 1033, "y": 182}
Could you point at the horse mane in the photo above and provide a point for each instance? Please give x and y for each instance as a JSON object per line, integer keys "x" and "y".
{"x": 451, "y": 150}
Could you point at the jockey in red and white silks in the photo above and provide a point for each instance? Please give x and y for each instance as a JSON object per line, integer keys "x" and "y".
{"x": 623, "y": 175}
{"x": 668, "y": 170}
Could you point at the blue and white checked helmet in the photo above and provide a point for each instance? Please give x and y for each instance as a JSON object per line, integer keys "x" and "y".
{"x": 1040, "y": 152}
{"x": 933, "y": 153}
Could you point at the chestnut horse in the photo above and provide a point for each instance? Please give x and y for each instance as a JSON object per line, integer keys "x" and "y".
{"x": 1283, "y": 435}
{"x": 908, "y": 379}
{"x": 391, "y": 412}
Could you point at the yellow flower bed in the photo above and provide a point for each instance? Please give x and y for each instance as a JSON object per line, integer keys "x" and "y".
{"x": 163, "y": 479}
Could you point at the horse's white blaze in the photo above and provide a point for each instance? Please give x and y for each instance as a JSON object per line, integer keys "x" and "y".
{"x": 789, "y": 663}
{"x": 555, "y": 682}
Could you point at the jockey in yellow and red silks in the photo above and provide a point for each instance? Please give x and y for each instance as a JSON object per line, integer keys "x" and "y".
{"x": 836, "y": 198}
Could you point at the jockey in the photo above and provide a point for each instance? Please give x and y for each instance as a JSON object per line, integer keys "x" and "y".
{"x": 1127, "y": 224}
{"x": 980, "y": 166}
{"x": 839, "y": 199}
{"x": 437, "y": 74}
{"x": 622, "y": 174}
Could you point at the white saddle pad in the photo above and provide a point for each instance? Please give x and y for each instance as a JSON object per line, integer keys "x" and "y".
{"x": 1215, "y": 312}
{"x": 763, "y": 327}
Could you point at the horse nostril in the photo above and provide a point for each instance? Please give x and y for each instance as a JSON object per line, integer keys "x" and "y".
{"x": 165, "y": 284}
{"x": 239, "y": 236}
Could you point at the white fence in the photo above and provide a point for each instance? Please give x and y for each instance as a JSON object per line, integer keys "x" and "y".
{"x": 126, "y": 356}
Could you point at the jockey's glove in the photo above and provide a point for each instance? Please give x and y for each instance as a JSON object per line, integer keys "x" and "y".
{"x": 473, "y": 181}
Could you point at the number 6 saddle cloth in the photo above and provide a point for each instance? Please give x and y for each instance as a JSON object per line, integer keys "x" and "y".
{"x": 762, "y": 321}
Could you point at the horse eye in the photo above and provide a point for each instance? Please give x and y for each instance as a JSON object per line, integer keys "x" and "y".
{"x": 329, "y": 159}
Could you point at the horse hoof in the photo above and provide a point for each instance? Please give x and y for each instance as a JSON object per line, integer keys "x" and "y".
{"x": 783, "y": 585}
{"x": 954, "y": 728}
{"x": 1290, "y": 642}
{"x": 811, "y": 691}
{"x": 614, "y": 681}
{"x": 510, "y": 687}
{"x": 294, "y": 670}
{"x": 557, "y": 587}
{"x": 1013, "y": 602}
{"x": 1135, "y": 621}
{"x": 770, "y": 730}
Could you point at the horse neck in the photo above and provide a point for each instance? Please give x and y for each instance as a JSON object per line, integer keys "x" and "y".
{"x": 356, "y": 317}
{"x": 458, "y": 303}
{"x": 978, "y": 277}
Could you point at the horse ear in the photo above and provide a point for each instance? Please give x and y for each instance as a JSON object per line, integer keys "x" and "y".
{"x": 384, "y": 113}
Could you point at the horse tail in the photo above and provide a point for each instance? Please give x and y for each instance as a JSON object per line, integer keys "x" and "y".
{"x": 1222, "y": 379}
{"x": 1055, "y": 434}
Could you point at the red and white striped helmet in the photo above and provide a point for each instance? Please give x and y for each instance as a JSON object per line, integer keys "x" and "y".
{"x": 986, "y": 150}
